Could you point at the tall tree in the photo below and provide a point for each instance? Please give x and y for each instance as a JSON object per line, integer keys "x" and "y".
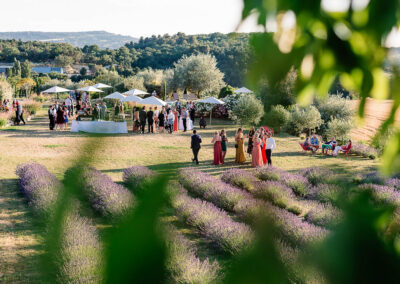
{"x": 26, "y": 69}
{"x": 198, "y": 73}
{"x": 16, "y": 68}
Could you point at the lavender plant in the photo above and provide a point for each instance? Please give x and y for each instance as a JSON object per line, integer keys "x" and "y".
{"x": 134, "y": 176}
{"x": 318, "y": 175}
{"x": 40, "y": 187}
{"x": 240, "y": 178}
{"x": 383, "y": 194}
{"x": 268, "y": 173}
{"x": 297, "y": 183}
{"x": 325, "y": 193}
{"x": 364, "y": 150}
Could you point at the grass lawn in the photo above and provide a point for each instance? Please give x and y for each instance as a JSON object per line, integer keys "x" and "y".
{"x": 19, "y": 239}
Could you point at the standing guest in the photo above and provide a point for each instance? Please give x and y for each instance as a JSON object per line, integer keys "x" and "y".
{"x": 224, "y": 147}
{"x": 96, "y": 112}
{"x": 270, "y": 146}
{"x": 150, "y": 120}
{"x": 14, "y": 104}
{"x": 218, "y": 160}
{"x": 156, "y": 113}
{"x": 17, "y": 119}
{"x": 202, "y": 122}
{"x": 192, "y": 113}
{"x": 78, "y": 106}
{"x": 52, "y": 117}
{"x": 161, "y": 121}
{"x": 103, "y": 110}
{"x": 176, "y": 120}
{"x": 171, "y": 120}
{"x": 78, "y": 97}
{"x": 57, "y": 105}
{"x": 263, "y": 137}
{"x": 178, "y": 107}
{"x": 184, "y": 119}
{"x": 256, "y": 155}
{"x": 66, "y": 113}
{"x": 239, "y": 138}
{"x": 195, "y": 146}
{"x": 330, "y": 145}
{"x": 142, "y": 118}
{"x": 68, "y": 103}
{"x": 20, "y": 113}
{"x": 250, "y": 143}
{"x": 167, "y": 109}
{"x": 136, "y": 123}
{"x": 60, "y": 118}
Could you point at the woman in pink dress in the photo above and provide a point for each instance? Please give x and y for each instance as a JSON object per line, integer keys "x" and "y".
{"x": 256, "y": 155}
{"x": 218, "y": 159}
{"x": 176, "y": 121}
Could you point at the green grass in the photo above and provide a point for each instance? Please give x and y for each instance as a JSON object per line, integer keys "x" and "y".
{"x": 20, "y": 240}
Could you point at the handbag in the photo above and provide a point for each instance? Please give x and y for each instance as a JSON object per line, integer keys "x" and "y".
{"x": 236, "y": 146}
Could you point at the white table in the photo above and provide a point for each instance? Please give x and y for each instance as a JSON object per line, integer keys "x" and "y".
{"x": 108, "y": 127}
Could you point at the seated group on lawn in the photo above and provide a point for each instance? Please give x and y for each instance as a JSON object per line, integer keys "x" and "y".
{"x": 312, "y": 144}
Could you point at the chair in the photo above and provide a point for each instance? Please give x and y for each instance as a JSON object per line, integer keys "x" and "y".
{"x": 305, "y": 149}
{"x": 347, "y": 150}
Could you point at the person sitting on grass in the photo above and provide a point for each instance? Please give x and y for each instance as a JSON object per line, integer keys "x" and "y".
{"x": 342, "y": 148}
{"x": 314, "y": 143}
{"x": 330, "y": 145}
{"x": 202, "y": 122}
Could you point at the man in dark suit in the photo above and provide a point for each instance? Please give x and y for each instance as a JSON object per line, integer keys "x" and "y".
{"x": 150, "y": 120}
{"x": 52, "y": 117}
{"x": 195, "y": 145}
{"x": 142, "y": 118}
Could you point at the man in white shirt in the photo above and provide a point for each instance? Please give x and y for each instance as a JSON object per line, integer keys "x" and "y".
{"x": 68, "y": 103}
{"x": 270, "y": 146}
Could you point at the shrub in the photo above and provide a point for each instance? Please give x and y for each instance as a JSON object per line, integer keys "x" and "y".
{"x": 302, "y": 119}
{"x": 40, "y": 187}
{"x": 325, "y": 193}
{"x": 268, "y": 173}
{"x": 364, "y": 151}
{"x": 105, "y": 196}
{"x": 32, "y": 107}
{"x": 278, "y": 117}
{"x": 383, "y": 194}
{"x": 3, "y": 122}
{"x": 275, "y": 192}
{"x": 240, "y": 178}
{"x": 249, "y": 110}
{"x": 226, "y": 91}
{"x": 318, "y": 175}
{"x": 6, "y": 90}
{"x": 339, "y": 128}
{"x": 135, "y": 176}
{"x": 297, "y": 183}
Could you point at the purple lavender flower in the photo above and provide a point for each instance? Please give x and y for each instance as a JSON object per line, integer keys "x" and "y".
{"x": 325, "y": 193}
{"x": 275, "y": 192}
{"x": 297, "y": 183}
{"x": 106, "y": 197}
{"x": 382, "y": 193}
{"x": 240, "y": 178}
{"x": 136, "y": 175}
{"x": 364, "y": 150}
{"x": 268, "y": 173}
{"x": 318, "y": 175}
{"x": 393, "y": 182}
{"x": 40, "y": 187}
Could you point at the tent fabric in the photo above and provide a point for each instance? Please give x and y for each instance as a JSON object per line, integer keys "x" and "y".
{"x": 153, "y": 101}
{"x": 243, "y": 90}
{"x": 90, "y": 89}
{"x": 115, "y": 95}
{"x": 101, "y": 86}
{"x": 211, "y": 100}
{"x": 56, "y": 89}
{"x": 135, "y": 92}
{"x": 132, "y": 98}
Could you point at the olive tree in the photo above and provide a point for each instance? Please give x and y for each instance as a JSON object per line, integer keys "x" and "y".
{"x": 248, "y": 110}
{"x": 307, "y": 118}
{"x": 198, "y": 73}
{"x": 339, "y": 128}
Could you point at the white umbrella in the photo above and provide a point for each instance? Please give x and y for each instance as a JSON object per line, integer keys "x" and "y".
{"x": 116, "y": 96}
{"x": 101, "y": 86}
{"x": 56, "y": 89}
{"x": 132, "y": 98}
{"x": 243, "y": 90}
{"x": 90, "y": 89}
{"x": 211, "y": 101}
{"x": 153, "y": 101}
{"x": 135, "y": 92}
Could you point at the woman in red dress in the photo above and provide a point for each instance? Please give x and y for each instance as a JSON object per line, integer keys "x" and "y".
{"x": 263, "y": 153}
{"x": 176, "y": 121}
{"x": 218, "y": 158}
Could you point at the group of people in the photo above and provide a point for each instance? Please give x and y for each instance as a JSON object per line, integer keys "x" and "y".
{"x": 164, "y": 118}
{"x": 260, "y": 146}
{"x": 16, "y": 106}
{"x": 58, "y": 116}
{"x": 312, "y": 144}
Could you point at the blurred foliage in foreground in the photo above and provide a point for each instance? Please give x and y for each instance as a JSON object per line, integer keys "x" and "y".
{"x": 326, "y": 40}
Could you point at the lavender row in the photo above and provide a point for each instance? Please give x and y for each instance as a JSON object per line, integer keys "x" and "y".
{"x": 40, "y": 187}
{"x": 135, "y": 176}
{"x": 282, "y": 196}
{"x": 364, "y": 151}
{"x": 105, "y": 196}
{"x": 184, "y": 265}
{"x": 383, "y": 193}
{"x": 249, "y": 209}
{"x": 214, "y": 224}
{"x": 80, "y": 252}
{"x": 378, "y": 178}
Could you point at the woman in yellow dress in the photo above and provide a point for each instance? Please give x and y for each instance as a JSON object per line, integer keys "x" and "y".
{"x": 239, "y": 138}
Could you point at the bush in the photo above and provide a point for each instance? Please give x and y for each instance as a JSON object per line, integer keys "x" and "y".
{"x": 364, "y": 151}
{"x": 278, "y": 117}
{"x": 339, "y": 128}
{"x": 248, "y": 110}
{"x": 226, "y": 91}
{"x": 135, "y": 176}
{"x": 334, "y": 106}
{"x": 32, "y": 107}
{"x": 3, "y": 122}
{"x": 318, "y": 175}
{"x": 302, "y": 119}
{"x": 5, "y": 90}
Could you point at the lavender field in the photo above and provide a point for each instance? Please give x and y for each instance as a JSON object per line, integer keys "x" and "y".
{"x": 207, "y": 223}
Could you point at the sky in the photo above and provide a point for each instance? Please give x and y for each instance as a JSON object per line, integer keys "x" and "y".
{"x": 128, "y": 17}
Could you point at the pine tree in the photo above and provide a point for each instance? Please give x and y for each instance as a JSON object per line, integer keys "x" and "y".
{"x": 26, "y": 69}
{"x": 16, "y": 70}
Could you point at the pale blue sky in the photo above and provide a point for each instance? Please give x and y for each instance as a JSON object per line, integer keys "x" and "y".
{"x": 128, "y": 17}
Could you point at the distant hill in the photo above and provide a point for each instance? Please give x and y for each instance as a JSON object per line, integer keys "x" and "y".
{"x": 101, "y": 38}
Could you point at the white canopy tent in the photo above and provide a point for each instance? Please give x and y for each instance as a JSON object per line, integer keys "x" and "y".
{"x": 212, "y": 101}
{"x": 243, "y": 90}
{"x": 153, "y": 101}
{"x": 135, "y": 92}
{"x": 116, "y": 96}
{"x": 101, "y": 86}
{"x": 56, "y": 90}
{"x": 132, "y": 98}
{"x": 90, "y": 89}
